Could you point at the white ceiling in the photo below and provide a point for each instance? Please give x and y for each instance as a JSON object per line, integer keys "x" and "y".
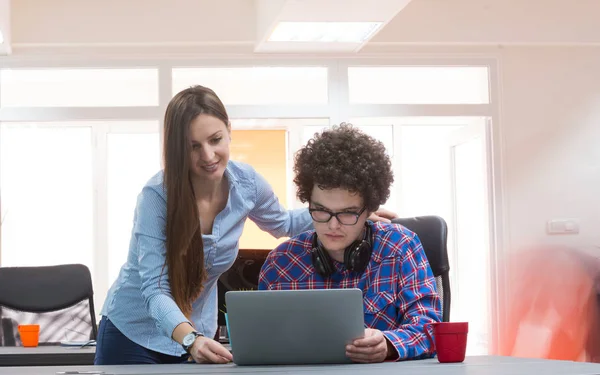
{"x": 495, "y": 22}
{"x": 224, "y": 26}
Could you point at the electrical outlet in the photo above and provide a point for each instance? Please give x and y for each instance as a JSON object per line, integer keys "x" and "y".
{"x": 563, "y": 226}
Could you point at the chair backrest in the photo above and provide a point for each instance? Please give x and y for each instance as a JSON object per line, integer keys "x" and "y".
{"x": 242, "y": 275}
{"x": 433, "y": 234}
{"x": 59, "y": 298}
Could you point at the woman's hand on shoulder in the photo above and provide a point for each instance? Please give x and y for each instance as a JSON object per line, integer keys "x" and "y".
{"x": 383, "y": 215}
{"x": 206, "y": 350}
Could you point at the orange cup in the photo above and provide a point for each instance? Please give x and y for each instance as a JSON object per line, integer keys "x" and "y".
{"x": 30, "y": 334}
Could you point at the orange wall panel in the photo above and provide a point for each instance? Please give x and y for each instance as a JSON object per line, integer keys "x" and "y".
{"x": 265, "y": 150}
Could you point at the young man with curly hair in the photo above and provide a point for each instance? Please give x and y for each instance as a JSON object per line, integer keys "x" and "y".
{"x": 346, "y": 175}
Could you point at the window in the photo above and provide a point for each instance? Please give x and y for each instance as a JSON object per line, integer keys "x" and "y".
{"x": 309, "y": 132}
{"x": 382, "y": 133}
{"x": 418, "y": 85}
{"x": 78, "y": 87}
{"x": 258, "y": 85}
{"x": 47, "y": 194}
{"x": 425, "y": 166}
{"x": 127, "y": 173}
{"x": 471, "y": 236}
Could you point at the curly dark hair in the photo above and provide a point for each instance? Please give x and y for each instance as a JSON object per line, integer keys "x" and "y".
{"x": 344, "y": 157}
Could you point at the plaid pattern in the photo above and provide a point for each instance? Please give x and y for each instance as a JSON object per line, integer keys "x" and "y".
{"x": 399, "y": 290}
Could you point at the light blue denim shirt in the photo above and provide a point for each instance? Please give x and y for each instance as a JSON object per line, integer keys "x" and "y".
{"x": 140, "y": 304}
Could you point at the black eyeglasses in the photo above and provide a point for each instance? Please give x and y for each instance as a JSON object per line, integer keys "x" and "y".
{"x": 345, "y": 218}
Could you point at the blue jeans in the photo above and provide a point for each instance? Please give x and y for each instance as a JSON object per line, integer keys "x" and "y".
{"x": 113, "y": 348}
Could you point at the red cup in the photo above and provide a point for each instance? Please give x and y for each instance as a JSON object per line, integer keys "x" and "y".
{"x": 449, "y": 340}
{"x": 30, "y": 334}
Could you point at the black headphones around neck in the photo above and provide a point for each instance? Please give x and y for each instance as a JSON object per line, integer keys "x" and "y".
{"x": 356, "y": 256}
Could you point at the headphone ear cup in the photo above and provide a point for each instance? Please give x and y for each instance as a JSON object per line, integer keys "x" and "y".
{"x": 316, "y": 262}
{"x": 320, "y": 259}
{"x": 357, "y": 257}
{"x": 358, "y": 254}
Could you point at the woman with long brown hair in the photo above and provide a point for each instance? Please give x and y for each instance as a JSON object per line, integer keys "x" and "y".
{"x": 187, "y": 223}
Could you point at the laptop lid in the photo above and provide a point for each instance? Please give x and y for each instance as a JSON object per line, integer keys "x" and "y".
{"x": 293, "y": 326}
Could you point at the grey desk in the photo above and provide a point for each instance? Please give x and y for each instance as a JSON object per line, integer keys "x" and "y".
{"x": 46, "y": 356}
{"x": 484, "y": 365}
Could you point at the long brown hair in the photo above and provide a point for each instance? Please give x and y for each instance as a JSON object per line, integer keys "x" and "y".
{"x": 185, "y": 251}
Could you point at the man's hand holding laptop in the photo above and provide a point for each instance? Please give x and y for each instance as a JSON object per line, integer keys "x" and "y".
{"x": 372, "y": 348}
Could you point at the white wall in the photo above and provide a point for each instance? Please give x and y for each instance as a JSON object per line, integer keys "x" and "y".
{"x": 551, "y": 129}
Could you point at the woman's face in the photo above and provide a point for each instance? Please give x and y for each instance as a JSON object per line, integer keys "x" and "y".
{"x": 210, "y": 138}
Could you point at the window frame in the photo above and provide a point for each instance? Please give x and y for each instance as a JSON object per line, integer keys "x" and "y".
{"x": 338, "y": 109}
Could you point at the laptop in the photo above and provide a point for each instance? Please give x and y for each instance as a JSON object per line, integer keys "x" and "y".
{"x": 291, "y": 327}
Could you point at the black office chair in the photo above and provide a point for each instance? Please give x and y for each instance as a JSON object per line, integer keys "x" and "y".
{"x": 433, "y": 233}
{"x": 58, "y": 298}
{"x": 243, "y": 275}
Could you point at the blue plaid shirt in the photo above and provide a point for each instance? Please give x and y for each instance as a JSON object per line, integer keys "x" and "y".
{"x": 399, "y": 290}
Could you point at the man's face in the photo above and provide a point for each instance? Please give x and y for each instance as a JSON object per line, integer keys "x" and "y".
{"x": 333, "y": 234}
